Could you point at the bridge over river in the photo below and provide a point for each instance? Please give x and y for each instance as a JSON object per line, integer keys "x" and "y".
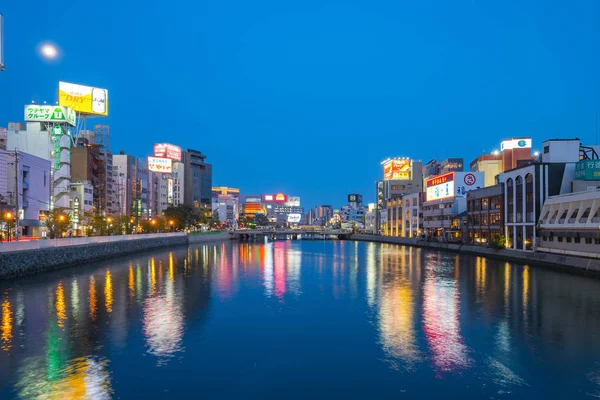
{"x": 246, "y": 234}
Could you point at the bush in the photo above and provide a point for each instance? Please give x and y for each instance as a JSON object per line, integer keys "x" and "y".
{"x": 499, "y": 243}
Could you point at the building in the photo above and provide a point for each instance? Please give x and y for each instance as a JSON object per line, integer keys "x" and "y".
{"x": 82, "y": 203}
{"x": 132, "y": 179}
{"x": 3, "y": 132}
{"x": 226, "y": 202}
{"x": 217, "y": 190}
{"x": 178, "y": 183}
{"x": 50, "y": 142}
{"x": 485, "y": 214}
{"x": 435, "y": 168}
{"x": 311, "y": 216}
{"x": 226, "y": 209}
{"x": 26, "y": 182}
{"x": 527, "y": 188}
{"x": 490, "y": 165}
{"x": 412, "y": 215}
{"x": 569, "y": 224}
{"x": 371, "y": 219}
{"x": 324, "y": 212}
{"x": 516, "y": 152}
{"x": 198, "y": 180}
{"x": 354, "y": 211}
{"x": 401, "y": 176}
{"x": 445, "y": 200}
{"x": 159, "y": 198}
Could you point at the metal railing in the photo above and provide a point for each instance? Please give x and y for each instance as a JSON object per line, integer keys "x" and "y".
{"x": 65, "y": 242}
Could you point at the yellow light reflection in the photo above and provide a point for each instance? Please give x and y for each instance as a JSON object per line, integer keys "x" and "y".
{"x": 61, "y": 315}
{"x": 152, "y": 276}
{"x": 171, "y": 268}
{"x": 92, "y": 297}
{"x": 108, "y": 296}
{"x": 6, "y": 327}
{"x": 131, "y": 282}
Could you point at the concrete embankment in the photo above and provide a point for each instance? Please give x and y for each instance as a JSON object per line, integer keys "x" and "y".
{"x": 30, "y": 257}
{"x": 569, "y": 263}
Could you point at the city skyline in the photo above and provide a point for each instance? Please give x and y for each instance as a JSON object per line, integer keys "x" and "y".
{"x": 346, "y": 85}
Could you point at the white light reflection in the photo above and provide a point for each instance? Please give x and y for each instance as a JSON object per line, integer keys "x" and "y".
{"x": 268, "y": 271}
{"x": 441, "y": 324}
{"x": 371, "y": 274}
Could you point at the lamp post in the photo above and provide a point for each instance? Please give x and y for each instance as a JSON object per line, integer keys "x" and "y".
{"x": 171, "y": 222}
{"x": 8, "y": 218}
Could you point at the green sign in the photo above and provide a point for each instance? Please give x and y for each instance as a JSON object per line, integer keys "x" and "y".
{"x": 588, "y": 170}
{"x": 55, "y": 114}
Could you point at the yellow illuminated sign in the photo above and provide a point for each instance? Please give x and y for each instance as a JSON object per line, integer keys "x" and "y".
{"x": 83, "y": 99}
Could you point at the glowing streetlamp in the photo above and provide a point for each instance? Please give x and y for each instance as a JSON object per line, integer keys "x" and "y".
{"x": 61, "y": 218}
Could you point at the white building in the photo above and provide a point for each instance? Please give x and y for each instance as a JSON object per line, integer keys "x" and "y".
{"x": 83, "y": 190}
{"x": 178, "y": 181}
{"x": 569, "y": 224}
{"x": 226, "y": 208}
{"x": 53, "y": 145}
{"x": 371, "y": 219}
{"x": 412, "y": 214}
{"x": 32, "y": 176}
{"x": 445, "y": 200}
{"x": 527, "y": 188}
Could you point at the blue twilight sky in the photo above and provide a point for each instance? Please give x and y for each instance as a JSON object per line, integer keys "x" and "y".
{"x": 308, "y": 97}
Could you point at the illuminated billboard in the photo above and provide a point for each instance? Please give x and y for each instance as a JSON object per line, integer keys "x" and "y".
{"x": 159, "y": 164}
{"x": 275, "y": 198}
{"x": 166, "y": 150}
{"x": 83, "y": 99}
{"x": 396, "y": 169}
{"x": 522, "y": 143}
{"x": 440, "y": 187}
{"x": 453, "y": 184}
{"x": 52, "y": 114}
{"x": 293, "y": 201}
{"x": 355, "y": 198}
{"x": 294, "y": 218}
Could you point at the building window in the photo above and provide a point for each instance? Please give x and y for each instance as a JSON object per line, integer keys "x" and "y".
{"x": 485, "y": 204}
{"x": 588, "y": 240}
{"x": 519, "y": 198}
{"x": 560, "y": 239}
{"x": 546, "y": 149}
{"x": 510, "y": 200}
{"x": 577, "y": 240}
{"x": 529, "y": 198}
{"x": 569, "y": 240}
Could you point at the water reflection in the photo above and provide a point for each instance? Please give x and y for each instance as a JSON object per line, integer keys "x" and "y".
{"x": 490, "y": 328}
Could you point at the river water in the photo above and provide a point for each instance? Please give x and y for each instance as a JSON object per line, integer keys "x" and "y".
{"x": 300, "y": 319}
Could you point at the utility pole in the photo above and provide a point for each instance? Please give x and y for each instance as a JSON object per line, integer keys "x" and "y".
{"x": 16, "y": 196}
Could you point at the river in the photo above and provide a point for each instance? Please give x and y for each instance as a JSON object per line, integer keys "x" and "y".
{"x": 300, "y": 319}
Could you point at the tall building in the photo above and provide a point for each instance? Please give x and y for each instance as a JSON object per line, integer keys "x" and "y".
{"x": 323, "y": 213}
{"x": 178, "y": 176}
{"x": 401, "y": 176}
{"x": 133, "y": 180}
{"x": 198, "y": 180}
{"x": 226, "y": 204}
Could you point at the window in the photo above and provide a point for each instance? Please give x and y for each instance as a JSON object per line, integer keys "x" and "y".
{"x": 495, "y": 218}
{"x": 569, "y": 239}
{"x": 546, "y": 149}
{"x": 485, "y": 203}
{"x": 560, "y": 239}
{"x": 510, "y": 200}
{"x": 588, "y": 240}
{"x": 597, "y": 241}
{"x": 577, "y": 240}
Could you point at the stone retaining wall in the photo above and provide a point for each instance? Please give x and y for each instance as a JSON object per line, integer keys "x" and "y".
{"x": 574, "y": 264}
{"x": 16, "y": 263}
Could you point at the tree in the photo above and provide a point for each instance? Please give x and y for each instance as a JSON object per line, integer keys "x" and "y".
{"x": 183, "y": 217}
{"x": 58, "y": 222}
{"x": 261, "y": 220}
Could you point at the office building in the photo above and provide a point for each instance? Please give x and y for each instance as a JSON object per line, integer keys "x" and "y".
{"x": 133, "y": 180}
{"x": 198, "y": 180}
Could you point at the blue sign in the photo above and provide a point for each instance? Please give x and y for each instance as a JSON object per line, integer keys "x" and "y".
{"x": 521, "y": 143}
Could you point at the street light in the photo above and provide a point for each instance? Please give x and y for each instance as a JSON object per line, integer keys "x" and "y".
{"x": 61, "y": 218}
{"x": 109, "y": 220}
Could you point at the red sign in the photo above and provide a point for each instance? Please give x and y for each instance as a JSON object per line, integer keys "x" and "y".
{"x": 165, "y": 150}
{"x": 470, "y": 179}
{"x": 440, "y": 179}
